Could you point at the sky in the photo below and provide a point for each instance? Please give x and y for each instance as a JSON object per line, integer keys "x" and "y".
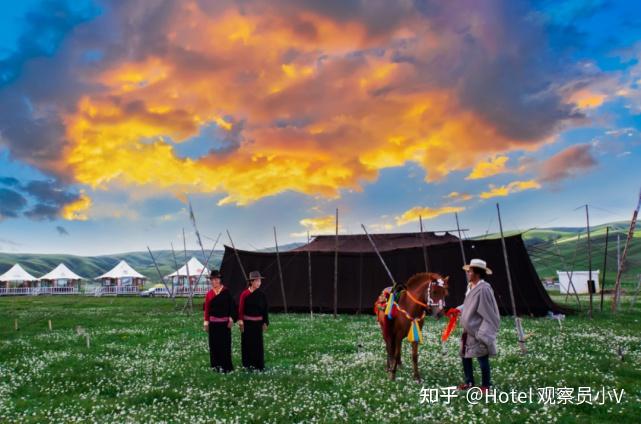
{"x": 114, "y": 116}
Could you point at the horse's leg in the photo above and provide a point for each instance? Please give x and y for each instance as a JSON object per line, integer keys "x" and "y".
{"x": 392, "y": 357}
{"x": 417, "y": 376}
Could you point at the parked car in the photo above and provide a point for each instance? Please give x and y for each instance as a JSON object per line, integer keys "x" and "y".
{"x": 155, "y": 291}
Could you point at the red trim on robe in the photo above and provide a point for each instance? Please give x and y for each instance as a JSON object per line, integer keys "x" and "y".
{"x": 241, "y": 304}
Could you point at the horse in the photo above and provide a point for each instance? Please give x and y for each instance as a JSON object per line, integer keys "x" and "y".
{"x": 424, "y": 293}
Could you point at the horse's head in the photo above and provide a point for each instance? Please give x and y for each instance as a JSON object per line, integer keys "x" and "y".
{"x": 437, "y": 294}
{"x": 433, "y": 290}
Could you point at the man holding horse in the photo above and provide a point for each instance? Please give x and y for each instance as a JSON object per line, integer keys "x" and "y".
{"x": 480, "y": 320}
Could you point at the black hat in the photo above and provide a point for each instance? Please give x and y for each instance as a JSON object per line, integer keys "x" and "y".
{"x": 214, "y": 274}
{"x": 255, "y": 275}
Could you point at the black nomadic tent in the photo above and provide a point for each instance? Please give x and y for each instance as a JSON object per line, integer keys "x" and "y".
{"x": 361, "y": 276}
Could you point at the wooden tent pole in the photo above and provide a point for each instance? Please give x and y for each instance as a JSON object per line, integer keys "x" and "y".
{"x": 517, "y": 320}
{"x": 242, "y": 269}
{"x": 389, "y": 273}
{"x": 617, "y": 285}
{"x": 189, "y": 303}
{"x": 336, "y": 268}
{"x": 159, "y": 274}
{"x": 587, "y": 220}
{"x": 280, "y": 272}
{"x": 309, "y": 277}
{"x": 605, "y": 263}
{"x": 460, "y": 240}
{"x": 420, "y": 221}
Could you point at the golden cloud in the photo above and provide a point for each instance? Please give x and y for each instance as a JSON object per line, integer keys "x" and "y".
{"x": 77, "y": 210}
{"x": 315, "y": 118}
{"x": 318, "y": 226}
{"x": 513, "y": 187}
{"x": 456, "y": 196}
{"x": 413, "y": 214}
{"x": 487, "y": 169}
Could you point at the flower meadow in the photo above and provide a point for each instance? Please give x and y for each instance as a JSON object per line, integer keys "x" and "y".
{"x": 148, "y": 362}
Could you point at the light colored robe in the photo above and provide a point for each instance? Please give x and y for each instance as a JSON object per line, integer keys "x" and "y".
{"x": 480, "y": 320}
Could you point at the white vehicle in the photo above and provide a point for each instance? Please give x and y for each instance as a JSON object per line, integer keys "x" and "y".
{"x": 155, "y": 291}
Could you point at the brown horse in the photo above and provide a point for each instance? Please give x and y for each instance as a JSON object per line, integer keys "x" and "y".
{"x": 423, "y": 294}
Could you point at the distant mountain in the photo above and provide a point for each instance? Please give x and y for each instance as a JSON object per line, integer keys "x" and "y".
{"x": 93, "y": 266}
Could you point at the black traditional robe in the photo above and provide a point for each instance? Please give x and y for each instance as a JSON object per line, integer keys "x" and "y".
{"x": 253, "y": 311}
{"x": 218, "y": 309}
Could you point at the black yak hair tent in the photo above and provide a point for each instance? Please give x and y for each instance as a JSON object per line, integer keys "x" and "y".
{"x": 361, "y": 277}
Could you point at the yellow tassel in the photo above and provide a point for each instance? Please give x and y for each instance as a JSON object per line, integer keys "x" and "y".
{"x": 415, "y": 334}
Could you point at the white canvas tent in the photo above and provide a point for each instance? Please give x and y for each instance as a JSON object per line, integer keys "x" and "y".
{"x": 579, "y": 281}
{"x": 17, "y": 274}
{"x": 195, "y": 269}
{"x": 61, "y": 276}
{"x": 122, "y": 274}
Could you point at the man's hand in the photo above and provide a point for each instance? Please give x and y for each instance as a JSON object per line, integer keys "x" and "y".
{"x": 230, "y": 323}
{"x": 241, "y": 325}
{"x": 453, "y": 312}
{"x": 264, "y": 327}
{"x": 206, "y": 325}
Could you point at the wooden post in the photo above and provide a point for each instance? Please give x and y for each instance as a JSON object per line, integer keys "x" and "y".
{"x": 15, "y": 324}
{"x": 88, "y": 340}
{"x": 420, "y": 221}
{"x": 617, "y": 285}
{"x": 309, "y": 277}
{"x": 605, "y": 263}
{"x": 517, "y": 321}
{"x": 50, "y": 328}
{"x": 240, "y": 264}
{"x": 280, "y": 272}
{"x": 336, "y": 268}
{"x": 587, "y": 218}
{"x": 460, "y": 240}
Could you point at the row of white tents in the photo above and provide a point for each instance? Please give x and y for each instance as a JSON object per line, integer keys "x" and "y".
{"x": 122, "y": 278}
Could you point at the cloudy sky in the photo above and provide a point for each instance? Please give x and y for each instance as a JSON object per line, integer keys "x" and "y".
{"x": 275, "y": 113}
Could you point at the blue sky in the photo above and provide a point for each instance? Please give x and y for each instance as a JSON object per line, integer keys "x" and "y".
{"x": 277, "y": 114}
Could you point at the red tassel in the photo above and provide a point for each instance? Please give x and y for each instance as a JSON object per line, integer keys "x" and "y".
{"x": 450, "y": 326}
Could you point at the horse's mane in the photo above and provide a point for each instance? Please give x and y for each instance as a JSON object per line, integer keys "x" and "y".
{"x": 421, "y": 277}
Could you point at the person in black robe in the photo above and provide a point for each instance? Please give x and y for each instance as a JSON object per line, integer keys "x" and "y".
{"x": 253, "y": 320}
{"x": 220, "y": 315}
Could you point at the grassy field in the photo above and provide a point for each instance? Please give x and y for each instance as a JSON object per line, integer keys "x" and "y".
{"x": 148, "y": 362}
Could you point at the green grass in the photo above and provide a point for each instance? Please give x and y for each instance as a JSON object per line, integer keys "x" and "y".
{"x": 149, "y": 363}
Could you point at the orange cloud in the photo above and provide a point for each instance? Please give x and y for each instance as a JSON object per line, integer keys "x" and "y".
{"x": 303, "y": 113}
{"x": 513, "y": 187}
{"x": 77, "y": 210}
{"x": 318, "y": 226}
{"x": 413, "y": 214}
{"x": 487, "y": 169}
{"x": 456, "y": 196}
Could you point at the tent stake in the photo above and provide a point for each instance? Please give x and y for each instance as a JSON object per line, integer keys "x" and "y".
{"x": 280, "y": 272}
{"x": 50, "y": 329}
{"x": 336, "y": 268}
{"x": 15, "y": 324}
{"x": 309, "y": 277}
{"x": 517, "y": 320}
{"x": 605, "y": 262}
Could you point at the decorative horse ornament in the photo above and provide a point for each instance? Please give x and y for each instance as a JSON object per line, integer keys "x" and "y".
{"x": 401, "y": 314}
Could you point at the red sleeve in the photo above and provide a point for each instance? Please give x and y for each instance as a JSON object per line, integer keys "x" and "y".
{"x": 208, "y": 297}
{"x": 241, "y": 304}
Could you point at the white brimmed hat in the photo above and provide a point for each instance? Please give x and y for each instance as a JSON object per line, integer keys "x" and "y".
{"x": 478, "y": 263}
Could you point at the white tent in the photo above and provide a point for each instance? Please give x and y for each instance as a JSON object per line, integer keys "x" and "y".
{"x": 122, "y": 271}
{"x": 195, "y": 269}
{"x": 18, "y": 274}
{"x": 61, "y": 272}
{"x": 579, "y": 281}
